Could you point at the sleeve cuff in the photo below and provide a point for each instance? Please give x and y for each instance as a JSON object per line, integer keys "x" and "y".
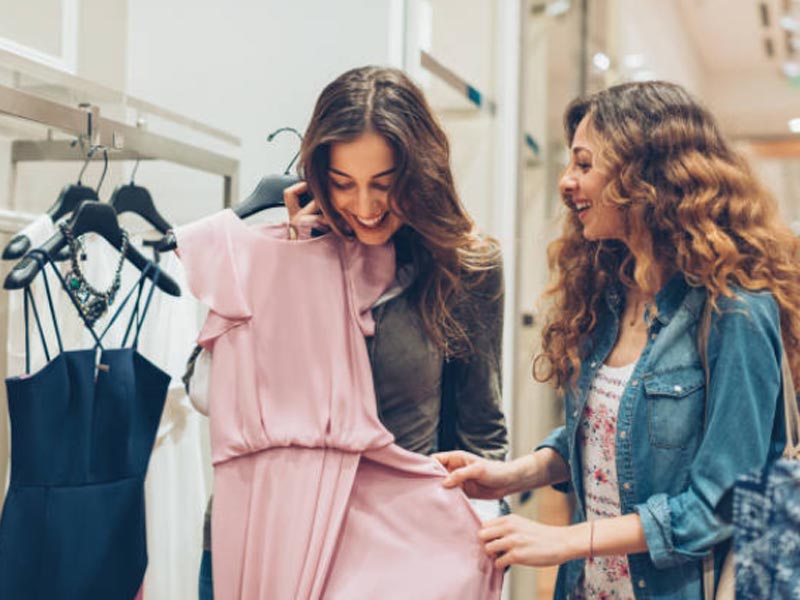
{"x": 557, "y": 441}
{"x": 657, "y": 527}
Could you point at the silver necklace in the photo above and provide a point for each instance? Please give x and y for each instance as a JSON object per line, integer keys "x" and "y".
{"x": 92, "y": 303}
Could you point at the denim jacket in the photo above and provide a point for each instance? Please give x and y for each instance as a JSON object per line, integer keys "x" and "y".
{"x": 679, "y": 446}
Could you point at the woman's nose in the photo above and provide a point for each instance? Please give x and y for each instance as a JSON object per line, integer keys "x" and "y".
{"x": 367, "y": 205}
{"x": 568, "y": 184}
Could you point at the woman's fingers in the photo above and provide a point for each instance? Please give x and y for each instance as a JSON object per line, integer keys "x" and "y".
{"x": 291, "y": 198}
{"x": 501, "y": 545}
{"x": 459, "y": 476}
{"x": 311, "y": 213}
{"x": 494, "y": 529}
{"x": 452, "y": 460}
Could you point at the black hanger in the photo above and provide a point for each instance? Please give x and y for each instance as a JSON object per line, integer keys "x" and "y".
{"x": 64, "y": 253}
{"x": 89, "y": 217}
{"x": 269, "y": 191}
{"x": 136, "y": 199}
{"x": 72, "y": 196}
{"x": 268, "y": 194}
{"x": 68, "y": 200}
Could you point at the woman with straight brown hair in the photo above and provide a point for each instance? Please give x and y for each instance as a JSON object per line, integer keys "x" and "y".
{"x": 675, "y": 295}
{"x": 378, "y": 166}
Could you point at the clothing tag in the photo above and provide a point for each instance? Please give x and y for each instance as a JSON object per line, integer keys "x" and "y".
{"x": 98, "y": 366}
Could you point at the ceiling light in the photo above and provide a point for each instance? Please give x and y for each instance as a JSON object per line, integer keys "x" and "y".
{"x": 601, "y": 61}
{"x": 633, "y": 61}
{"x": 791, "y": 69}
{"x": 794, "y": 125}
{"x": 790, "y": 23}
{"x": 558, "y": 8}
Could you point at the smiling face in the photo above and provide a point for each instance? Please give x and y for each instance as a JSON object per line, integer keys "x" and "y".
{"x": 582, "y": 186}
{"x": 361, "y": 174}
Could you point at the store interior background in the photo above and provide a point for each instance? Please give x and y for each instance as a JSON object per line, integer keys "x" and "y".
{"x": 222, "y": 76}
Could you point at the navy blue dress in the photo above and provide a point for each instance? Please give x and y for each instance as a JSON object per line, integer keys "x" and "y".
{"x": 82, "y": 429}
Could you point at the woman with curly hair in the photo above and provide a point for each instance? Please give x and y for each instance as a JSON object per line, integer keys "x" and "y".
{"x": 664, "y": 217}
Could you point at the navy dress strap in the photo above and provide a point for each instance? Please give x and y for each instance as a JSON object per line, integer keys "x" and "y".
{"x": 135, "y": 319}
{"x": 140, "y": 320}
{"x": 137, "y": 288}
{"x": 41, "y": 258}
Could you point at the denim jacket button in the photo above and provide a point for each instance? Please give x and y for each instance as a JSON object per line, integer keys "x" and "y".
{"x": 626, "y": 486}
{"x": 574, "y": 414}
{"x": 642, "y": 583}
{"x": 678, "y": 389}
{"x": 593, "y": 364}
{"x": 653, "y": 336}
{"x": 635, "y": 382}
{"x": 623, "y": 434}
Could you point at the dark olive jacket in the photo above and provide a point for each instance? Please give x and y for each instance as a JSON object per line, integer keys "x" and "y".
{"x": 430, "y": 403}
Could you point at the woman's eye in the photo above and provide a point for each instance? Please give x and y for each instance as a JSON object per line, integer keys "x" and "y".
{"x": 341, "y": 186}
{"x": 380, "y": 187}
{"x": 584, "y": 166}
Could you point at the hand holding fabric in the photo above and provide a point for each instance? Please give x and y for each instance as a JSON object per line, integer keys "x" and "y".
{"x": 478, "y": 477}
{"x": 514, "y": 540}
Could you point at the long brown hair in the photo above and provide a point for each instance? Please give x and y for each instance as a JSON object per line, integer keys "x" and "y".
{"x": 690, "y": 203}
{"x": 449, "y": 255}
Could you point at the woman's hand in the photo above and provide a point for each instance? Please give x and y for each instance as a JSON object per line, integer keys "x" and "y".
{"x": 514, "y": 540}
{"x": 478, "y": 477}
{"x": 299, "y": 215}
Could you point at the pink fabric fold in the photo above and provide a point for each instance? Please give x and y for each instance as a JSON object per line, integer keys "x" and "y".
{"x": 312, "y": 497}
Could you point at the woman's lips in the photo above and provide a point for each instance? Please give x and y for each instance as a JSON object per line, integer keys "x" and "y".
{"x": 372, "y": 222}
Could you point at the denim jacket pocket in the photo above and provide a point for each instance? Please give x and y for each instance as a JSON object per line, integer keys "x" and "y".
{"x": 675, "y": 405}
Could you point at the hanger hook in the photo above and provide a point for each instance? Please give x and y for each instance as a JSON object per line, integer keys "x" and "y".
{"x": 135, "y": 168}
{"x": 271, "y": 137}
{"x": 86, "y": 162}
{"x": 105, "y": 167}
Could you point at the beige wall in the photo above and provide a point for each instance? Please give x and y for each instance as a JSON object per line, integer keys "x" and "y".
{"x": 35, "y": 24}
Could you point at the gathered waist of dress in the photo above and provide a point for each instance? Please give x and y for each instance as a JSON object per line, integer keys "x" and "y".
{"x": 225, "y": 450}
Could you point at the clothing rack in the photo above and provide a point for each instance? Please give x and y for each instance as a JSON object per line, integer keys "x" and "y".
{"x": 123, "y": 141}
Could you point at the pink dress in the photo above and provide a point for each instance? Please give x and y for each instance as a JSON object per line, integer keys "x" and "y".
{"x": 312, "y": 497}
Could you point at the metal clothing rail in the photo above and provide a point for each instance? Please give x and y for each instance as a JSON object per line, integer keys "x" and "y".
{"x": 83, "y": 89}
{"x": 470, "y": 92}
{"x": 124, "y": 141}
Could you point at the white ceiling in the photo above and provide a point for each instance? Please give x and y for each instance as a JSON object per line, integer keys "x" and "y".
{"x": 745, "y": 86}
{"x": 728, "y": 34}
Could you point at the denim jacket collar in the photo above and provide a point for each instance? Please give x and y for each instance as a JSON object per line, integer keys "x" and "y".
{"x": 669, "y": 299}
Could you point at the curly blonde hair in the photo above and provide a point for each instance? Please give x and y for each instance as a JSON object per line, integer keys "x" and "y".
{"x": 690, "y": 203}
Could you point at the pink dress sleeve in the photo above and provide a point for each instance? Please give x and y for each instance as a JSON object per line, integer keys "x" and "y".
{"x": 207, "y": 250}
{"x": 370, "y": 272}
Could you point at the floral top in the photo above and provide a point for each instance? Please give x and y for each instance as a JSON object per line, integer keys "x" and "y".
{"x": 605, "y": 577}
